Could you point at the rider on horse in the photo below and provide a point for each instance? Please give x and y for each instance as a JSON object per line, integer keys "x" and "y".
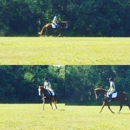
{"x": 55, "y": 21}
{"x": 47, "y": 86}
{"x": 111, "y": 90}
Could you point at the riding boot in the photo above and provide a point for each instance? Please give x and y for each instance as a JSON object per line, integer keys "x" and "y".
{"x": 109, "y": 100}
{"x": 56, "y": 25}
{"x": 110, "y": 96}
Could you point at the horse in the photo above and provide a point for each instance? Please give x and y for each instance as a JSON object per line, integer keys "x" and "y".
{"x": 47, "y": 96}
{"x": 48, "y": 27}
{"x": 122, "y": 97}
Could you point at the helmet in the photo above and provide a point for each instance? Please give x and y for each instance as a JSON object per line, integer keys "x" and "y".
{"x": 46, "y": 78}
{"x": 110, "y": 79}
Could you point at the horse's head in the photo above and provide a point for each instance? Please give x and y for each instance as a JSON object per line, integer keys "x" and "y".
{"x": 99, "y": 92}
{"x": 64, "y": 24}
{"x": 42, "y": 90}
{"x": 39, "y": 90}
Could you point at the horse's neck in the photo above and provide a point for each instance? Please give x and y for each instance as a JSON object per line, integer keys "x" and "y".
{"x": 44, "y": 91}
{"x": 61, "y": 24}
{"x": 102, "y": 92}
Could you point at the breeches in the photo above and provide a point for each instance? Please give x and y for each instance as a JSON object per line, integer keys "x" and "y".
{"x": 110, "y": 92}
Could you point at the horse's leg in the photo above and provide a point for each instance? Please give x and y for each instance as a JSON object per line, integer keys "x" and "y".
{"x": 128, "y": 104}
{"x": 59, "y": 35}
{"x": 46, "y": 32}
{"x": 110, "y": 108}
{"x": 102, "y": 106}
{"x": 129, "y": 107}
{"x": 55, "y": 104}
{"x": 121, "y": 105}
{"x": 43, "y": 99}
{"x": 59, "y": 30}
{"x": 51, "y": 104}
{"x": 40, "y": 33}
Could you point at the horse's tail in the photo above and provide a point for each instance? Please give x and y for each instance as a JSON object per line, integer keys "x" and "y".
{"x": 40, "y": 33}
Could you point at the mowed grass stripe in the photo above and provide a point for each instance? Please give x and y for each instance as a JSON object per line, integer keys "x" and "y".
{"x": 89, "y": 118}
{"x": 32, "y": 117}
{"x": 64, "y": 51}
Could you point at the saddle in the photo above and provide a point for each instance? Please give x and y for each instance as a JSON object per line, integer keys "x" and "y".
{"x": 53, "y": 25}
{"x": 114, "y": 95}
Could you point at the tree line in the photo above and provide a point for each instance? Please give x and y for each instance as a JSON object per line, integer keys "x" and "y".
{"x": 86, "y": 17}
{"x": 19, "y": 84}
{"x": 73, "y": 84}
{"x": 81, "y": 81}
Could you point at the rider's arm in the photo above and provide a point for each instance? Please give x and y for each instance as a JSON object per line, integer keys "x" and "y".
{"x": 110, "y": 87}
{"x": 44, "y": 85}
{"x": 49, "y": 84}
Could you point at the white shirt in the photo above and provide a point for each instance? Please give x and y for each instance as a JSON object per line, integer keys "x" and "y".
{"x": 112, "y": 87}
{"x": 54, "y": 20}
{"x": 47, "y": 85}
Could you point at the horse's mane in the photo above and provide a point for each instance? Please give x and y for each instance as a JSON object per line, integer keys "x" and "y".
{"x": 47, "y": 24}
{"x": 58, "y": 22}
{"x": 96, "y": 89}
{"x": 42, "y": 87}
{"x": 63, "y": 21}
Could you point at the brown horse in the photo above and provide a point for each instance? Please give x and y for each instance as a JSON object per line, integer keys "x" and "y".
{"x": 47, "y": 96}
{"x": 122, "y": 97}
{"x": 48, "y": 27}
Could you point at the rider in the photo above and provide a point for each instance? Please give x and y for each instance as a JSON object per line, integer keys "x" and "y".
{"x": 47, "y": 85}
{"x": 55, "y": 21}
{"x": 112, "y": 89}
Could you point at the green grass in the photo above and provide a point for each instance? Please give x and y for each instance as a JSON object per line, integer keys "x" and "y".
{"x": 64, "y": 51}
{"x": 32, "y": 117}
{"x": 88, "y": 118}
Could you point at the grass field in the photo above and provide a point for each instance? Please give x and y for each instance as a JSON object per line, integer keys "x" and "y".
{"x": 32, "y": 117}
{"x": 64, "y": 51}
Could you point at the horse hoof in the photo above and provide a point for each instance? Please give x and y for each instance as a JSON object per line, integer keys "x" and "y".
{"x": 113, "y": 112}
{"x": 39, "y": 33}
